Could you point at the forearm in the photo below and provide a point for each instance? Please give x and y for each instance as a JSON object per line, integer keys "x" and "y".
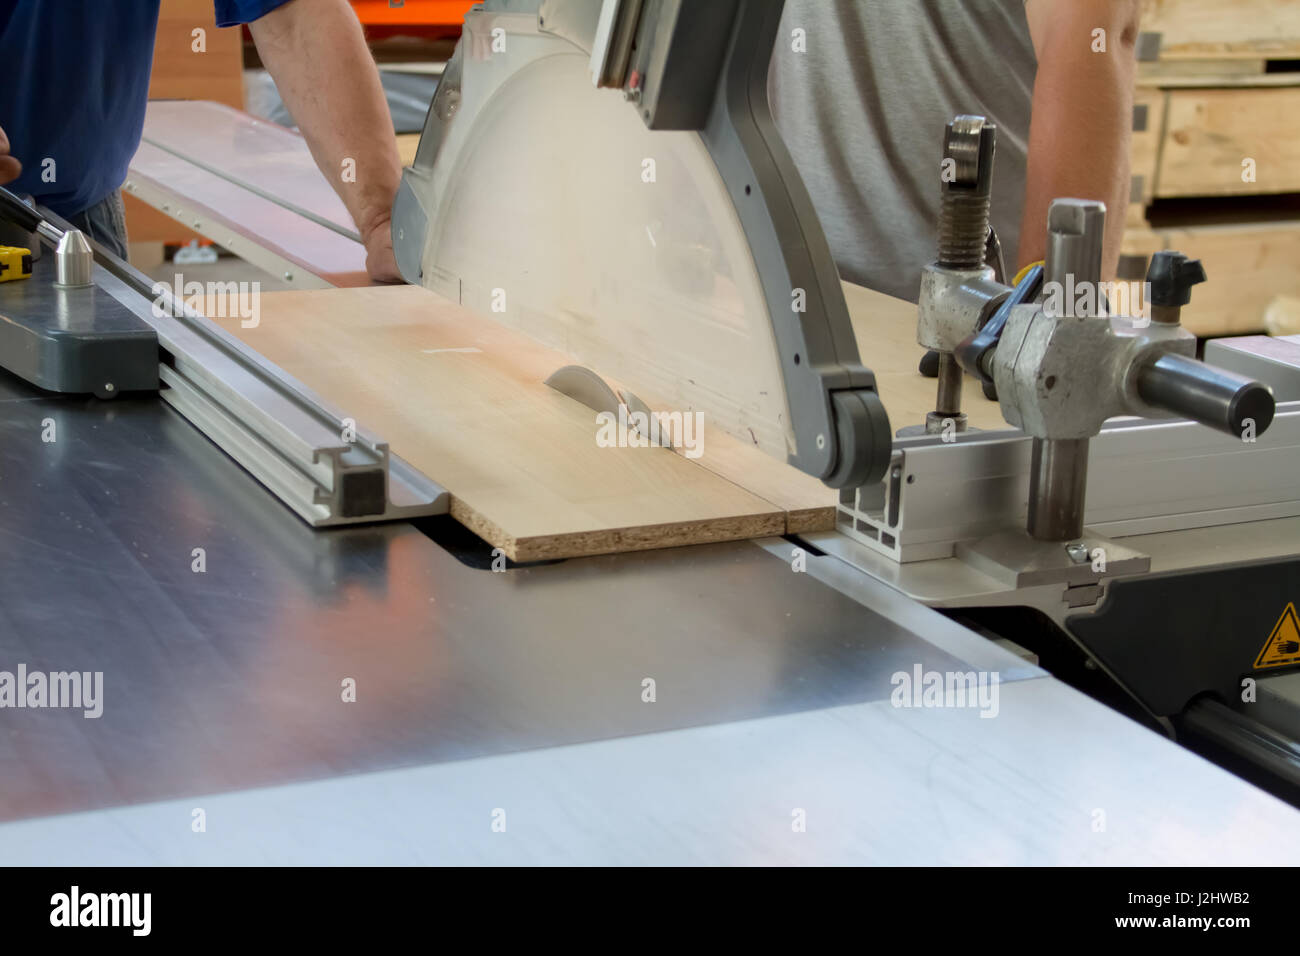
{"x": 1082, "y": 118}
{"x": 317, "y": 54}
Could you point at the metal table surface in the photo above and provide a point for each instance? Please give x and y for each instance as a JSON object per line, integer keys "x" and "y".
{"x": 223, "y": 689}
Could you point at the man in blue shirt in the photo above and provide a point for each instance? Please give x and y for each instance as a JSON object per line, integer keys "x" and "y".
{"x": 78, "y": 80}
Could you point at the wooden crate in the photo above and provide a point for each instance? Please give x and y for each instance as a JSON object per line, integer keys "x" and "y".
{"x": 1222, "y": 29}
{"x": 1213, "y": 117}
{"x": 1239, "y": 141}
{"x": 1248, "y": 264}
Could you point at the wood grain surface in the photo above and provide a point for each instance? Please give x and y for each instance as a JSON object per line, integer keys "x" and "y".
{"x": 463, "y": 399}
{"x": 1209, "y": 133}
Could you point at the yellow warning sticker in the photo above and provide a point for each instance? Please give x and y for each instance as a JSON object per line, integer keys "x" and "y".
{"x": 1283, "y": 645}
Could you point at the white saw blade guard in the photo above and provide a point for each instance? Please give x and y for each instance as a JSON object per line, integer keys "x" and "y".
{"x": 547, "y": 204}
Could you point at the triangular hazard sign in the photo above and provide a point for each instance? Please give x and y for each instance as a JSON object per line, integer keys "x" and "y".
{"x": 1283, "y": 645}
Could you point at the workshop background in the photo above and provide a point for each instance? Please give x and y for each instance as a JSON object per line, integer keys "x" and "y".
{"x": 411, "y": 42}
{"x": 362, "y": 570}
{"x": 1215, "y": 155}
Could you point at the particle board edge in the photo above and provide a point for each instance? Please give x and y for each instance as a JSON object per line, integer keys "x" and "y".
{"x": 648, "y": 537}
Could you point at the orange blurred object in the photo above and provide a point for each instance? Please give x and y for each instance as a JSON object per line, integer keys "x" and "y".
{"x": 412, "y": 12}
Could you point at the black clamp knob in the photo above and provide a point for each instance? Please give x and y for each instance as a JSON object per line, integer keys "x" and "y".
{"x": 1171, "y": 277}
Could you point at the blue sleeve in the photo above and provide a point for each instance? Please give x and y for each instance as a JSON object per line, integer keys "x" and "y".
{"x": 234, "y": 12}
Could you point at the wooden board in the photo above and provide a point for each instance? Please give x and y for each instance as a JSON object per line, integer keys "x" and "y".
{"x": 1239, "y": 80}
{"x": 462, "y": 399}
{"x": 1158, "y": 72}
{"x": 1209, "y": 133}
{"x": 1199, "y": 29}
{"x": 807, "y": 503}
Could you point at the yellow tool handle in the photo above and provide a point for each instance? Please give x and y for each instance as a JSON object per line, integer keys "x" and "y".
{"x": 15, "y": 263}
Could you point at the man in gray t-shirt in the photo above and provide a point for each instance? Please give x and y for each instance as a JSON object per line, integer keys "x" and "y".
{"x": 862, "y": 90}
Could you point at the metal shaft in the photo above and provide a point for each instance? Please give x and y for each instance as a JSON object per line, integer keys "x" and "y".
{"x": 1058, "y": 474}
{"x": 1203, "y": 393}
{"x": 948, "y": 397}
{"x": 1058, "y": 484}
{"x": 947, "y": 415}
{"x": 963, "y": 237}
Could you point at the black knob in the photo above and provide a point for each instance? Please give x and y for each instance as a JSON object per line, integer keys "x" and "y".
{"x": 1172, "y": 276}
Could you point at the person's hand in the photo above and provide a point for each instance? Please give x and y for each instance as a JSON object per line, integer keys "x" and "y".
{"x": 9, "y": 167}
{"x": 381, "y": 264}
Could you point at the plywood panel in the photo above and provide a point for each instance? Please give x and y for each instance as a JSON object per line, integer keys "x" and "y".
{"x": 463, "y": 400}
{"x": 1209, "y": 133}
{"x": 807, "y": 503}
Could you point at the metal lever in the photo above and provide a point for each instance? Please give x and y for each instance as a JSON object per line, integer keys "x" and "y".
{"x": 26, "y": 218}
{"x": 975, "y": 353}
{"x": 18, "y": 212}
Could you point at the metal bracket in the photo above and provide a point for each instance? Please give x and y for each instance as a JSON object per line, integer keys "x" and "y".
{"x": 1145, "y": 476}
{"x": 326, "y": 468}
{"x": 1141, "y": 112}
{"x": 1020, "y": 561}
{"x": 1148, "y": 46}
